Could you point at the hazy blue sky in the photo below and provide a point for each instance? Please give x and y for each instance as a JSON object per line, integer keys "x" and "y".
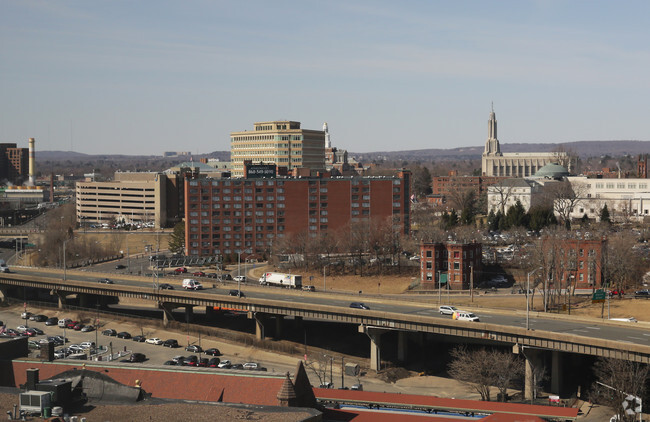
{"x": 143, "y": 77}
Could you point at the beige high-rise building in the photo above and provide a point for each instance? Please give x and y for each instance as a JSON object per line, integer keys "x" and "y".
{"x": 514, "y": 164}
{"x": 282, "y": 143}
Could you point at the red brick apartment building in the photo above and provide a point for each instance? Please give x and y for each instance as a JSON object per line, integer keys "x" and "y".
{"x": 225, "y": 216}
{"x": 575, "y": 262}
{"x": 459, "y": 262}
{"x": 14, "y": 163}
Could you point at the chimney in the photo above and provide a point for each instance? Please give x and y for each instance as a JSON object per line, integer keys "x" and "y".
{"x": 32, "y": 378}
{"x": 32, "y": 162}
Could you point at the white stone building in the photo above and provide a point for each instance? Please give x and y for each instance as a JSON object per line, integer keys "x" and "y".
{"x": 626, "y": 199}
{"x": 517, "y": 164}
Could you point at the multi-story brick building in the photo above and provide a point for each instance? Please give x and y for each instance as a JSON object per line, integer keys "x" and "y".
{"x": 282, "y": 143}
{"x": 460, "y": 262}
{"x": 574, "y": 263}
{"x": 445, "y": 187}
{"x": 14, "y": 163}
{"x": 226, "y": 216}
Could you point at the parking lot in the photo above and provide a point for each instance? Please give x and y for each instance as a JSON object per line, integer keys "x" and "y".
{"x": 124, "y": 348}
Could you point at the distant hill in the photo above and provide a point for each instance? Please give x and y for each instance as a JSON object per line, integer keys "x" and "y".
{"x": 584, "y": 149}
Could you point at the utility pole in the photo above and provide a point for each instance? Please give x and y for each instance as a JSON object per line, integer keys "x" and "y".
{"x": 342, "y": 373}
{"x": 471, "y": 282}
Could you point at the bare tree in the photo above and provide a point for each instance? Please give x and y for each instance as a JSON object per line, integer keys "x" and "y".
{"x": 502, "y": 191}
{"x": 565, "y": 196}
{"x": 319, "y": 366}
{"x": 483, "y": 368}
{"x": 618, "y": 379}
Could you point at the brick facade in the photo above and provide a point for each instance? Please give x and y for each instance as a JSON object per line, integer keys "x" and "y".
{"x": 458, "y": 261}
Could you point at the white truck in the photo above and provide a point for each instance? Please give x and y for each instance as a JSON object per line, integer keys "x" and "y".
{"x": 283, "y": 280}
{"x": 191, "y": 284}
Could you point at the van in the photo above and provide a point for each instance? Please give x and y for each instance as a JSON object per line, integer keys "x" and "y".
{"x": 191, "y": 284}
{"x": 63, "y": 322}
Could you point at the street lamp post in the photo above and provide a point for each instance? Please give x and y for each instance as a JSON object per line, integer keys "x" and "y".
{"x": 527, "y": 300}
{"x": 439, "y": 289}
{"x": 239, "y": 273}
{"x": 64, "y": 265}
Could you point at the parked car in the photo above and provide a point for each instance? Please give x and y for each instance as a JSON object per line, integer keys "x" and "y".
{"x": 62, "y": 323}
{"x": 173, "y": 343}
{"x": 120, "y": 267}
{"x": 87, "y": 328}
{"x": 203, "y": 362}
{"x": 237, "y": 293}
{"x": 194, "y": 348}
{"x": 29, "y": 332}
{"x": 237, "y": 366}
{"x": 154, "y": 340}
{"x": 251, "y": 365}
{"x": 180, "y": 270}
{"x": 358, "y": 305}
{"x": 51, "y": 321}
{"x": 124, "y": 334}
{"x": 137, "y": 357}
{"x": 169, "y": 363}
{"x": 34, "y": 331}
{"x": 447, "y": 310}
{"x": 38, "y": 318}
{"x": 25, "y": 315}
{"x": 61, "y": 339}
{"x": 87, "y": 344}
{"x": 357, "y": 387}
{"x": 78, "y": 327}
{"x": 166, "y": 286}
{"x": 213, "y": 351}
{"x": 139, "y": 339}
{"x": 213, "y": 362}
{"x": 71, "y": 324}
{"x": 105, "y": 281}
{"x": 192, "y": 360}
{"x": 224, "y": 364}
{"x": 642, "y": 294}
{"x": 21, "y": 328}
{"x": 178, "y": 358}
{"x": 109, "y": 332}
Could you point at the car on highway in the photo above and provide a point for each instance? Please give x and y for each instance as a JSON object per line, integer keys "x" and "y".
{"x": 251, "y": 365}
{"x": 51, "y": 321}
{"x": 309, "y": 288}
{"x": 120, "y": 266}
{"x": 109, "y": 332}
{"x": 173, "y": 343}
{"x": 137, "y": 357}
{"x": 359, "y": 305}
{"x": 198, "y": 274}
{"x": 213, "y": 351}
{"x": 124, "y": 334}
{"x": 166, "y": 286}
{"x": 237, "y": 293}
{"x": 180, "y": 270}
{"x": 642, "y": 294}
{"x": 240, "y": 278}
{"x": 465, "y": 316}
{"x": 447, "y": 310}
{"x": 616, "y": 292}
{"x": 194, "y": 348}
{"x": 154, "y": 340}
{"x": 224, "y": 364}
{"x": 87, "y": 328}
{"x": 105, "y": 281}
{"x": 139, "y": 339}
{"x": 38, "y": 318}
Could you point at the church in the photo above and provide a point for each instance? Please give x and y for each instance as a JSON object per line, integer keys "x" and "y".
{"x": 514, "y": 164}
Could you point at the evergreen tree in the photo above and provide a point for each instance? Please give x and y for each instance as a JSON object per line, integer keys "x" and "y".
{"x": 604, "y": 215}
{"x": 516, "y": 216}
{"x": 177, "y": 239}
{"x": 453, "y": 219}
{"x": 422, "y": 181}
{"x": 539, "y": 218}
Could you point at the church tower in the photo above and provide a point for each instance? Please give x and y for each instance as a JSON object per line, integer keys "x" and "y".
{"x": 492, "y": 144}
{"x": 328, "y": 143}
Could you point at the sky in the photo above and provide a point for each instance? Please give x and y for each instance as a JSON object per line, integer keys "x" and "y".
{"x": 143, "y": 77}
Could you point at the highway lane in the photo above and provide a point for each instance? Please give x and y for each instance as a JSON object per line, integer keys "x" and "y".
{"x": 634, "y": 333}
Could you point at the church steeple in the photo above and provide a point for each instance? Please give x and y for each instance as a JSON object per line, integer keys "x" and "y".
{"x": 492, "y": 144}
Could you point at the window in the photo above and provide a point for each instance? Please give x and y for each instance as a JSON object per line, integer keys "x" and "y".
{"x": 456, "y": 265}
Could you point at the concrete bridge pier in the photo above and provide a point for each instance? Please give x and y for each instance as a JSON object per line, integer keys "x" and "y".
{"x": 3, "y": 295}
{"x": 279, "y": 322}
{"x": 61, "y": 297}
{"x": 83, "y": 300}
{"x": 209, "y": 313}
{"x": 556, "y": 371}
{"x": 259, "y": 326}
{"x": 189, "y": 313}
{"x": 374, "y": 334}
{"x": 402, "y": 345}
{"x": 534, "y": 363}
{"x": 167, "y": 312}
